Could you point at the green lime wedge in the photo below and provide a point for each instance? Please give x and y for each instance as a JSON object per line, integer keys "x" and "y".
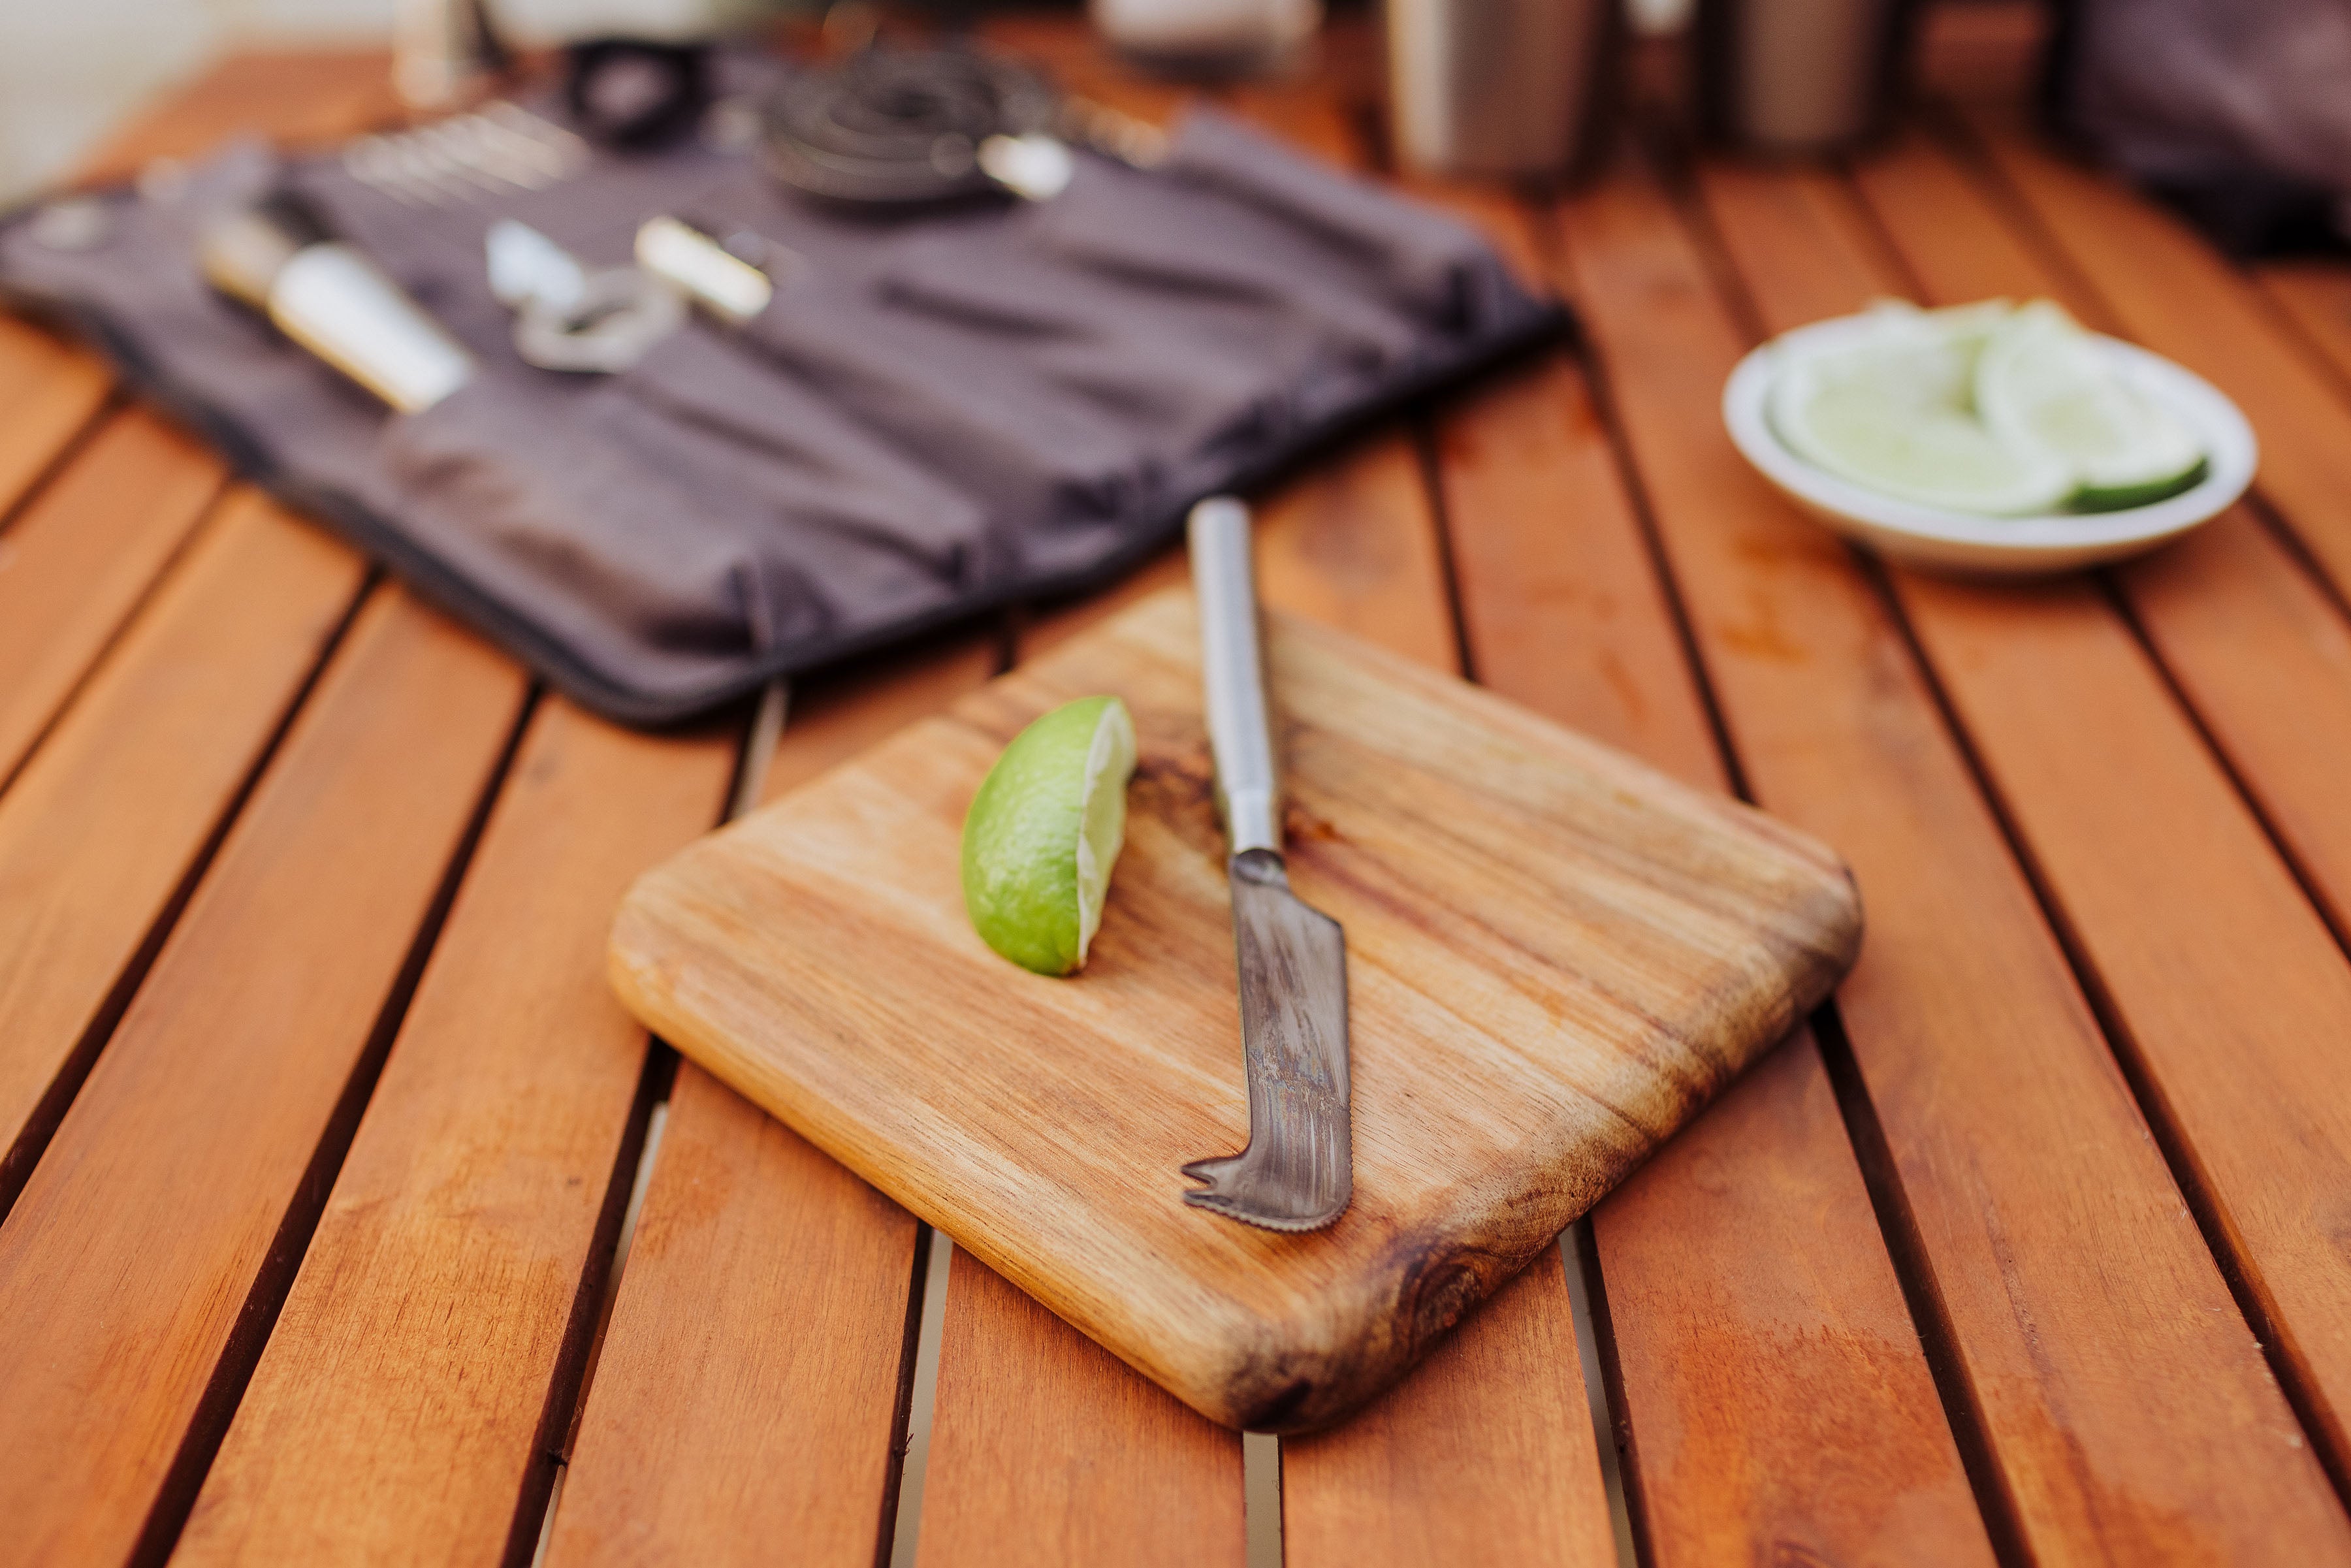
{"x": 1891, "y": 407}
{"x": 1043, "y": 832}
{"x": 2041, "y": 380}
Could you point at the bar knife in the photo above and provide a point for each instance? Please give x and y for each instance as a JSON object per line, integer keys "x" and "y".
{"x": 1297, "y": 1171}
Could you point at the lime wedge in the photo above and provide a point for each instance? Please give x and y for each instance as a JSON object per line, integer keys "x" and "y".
{"x": 2041, "y": 380}
{"x": 1892, "y": 407}
{"x": 1043, "y": 832}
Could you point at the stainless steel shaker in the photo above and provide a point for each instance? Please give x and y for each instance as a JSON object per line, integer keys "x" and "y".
{"x": 1506, "y": 89}
{"x": 1799, "y": 76}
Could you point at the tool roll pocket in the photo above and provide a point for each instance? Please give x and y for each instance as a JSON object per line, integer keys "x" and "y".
{"x": 704, "y": 505}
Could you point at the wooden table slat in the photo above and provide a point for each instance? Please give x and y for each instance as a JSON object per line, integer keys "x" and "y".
{"x": 759, "y": 1341}
{"x": 1352, "y": 543}
{"x": 83, "y": 557}
{"x": 50, "y": 391}
{"x": 99, "y": 831}
{"x": 2231, "y": 991}
{"x": 1490, "y": 1440}
{"x": 1771, "y": 1380}
{"x": 1090, "y": 1464}
{"x": 2316, "y": 296}
{"x": 1561, "y": 606}
{"x": 1775, "y": 1393}
{"x": 2059, "y": 1249}
{"x": 2263, "y": 655}
{"x": 145, "y": 1256}
{"x": 442, "y": 1311}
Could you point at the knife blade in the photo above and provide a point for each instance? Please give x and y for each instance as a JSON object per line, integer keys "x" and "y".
{"x": 1297, "y": 1170}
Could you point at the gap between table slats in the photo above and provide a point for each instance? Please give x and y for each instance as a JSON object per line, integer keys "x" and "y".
{"x": 2315, "y": 296}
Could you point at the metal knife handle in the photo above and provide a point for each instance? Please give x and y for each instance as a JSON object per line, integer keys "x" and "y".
{"x": 1248, "y": 788}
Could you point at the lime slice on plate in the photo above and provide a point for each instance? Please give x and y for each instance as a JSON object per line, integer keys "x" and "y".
{"x": 1043, "y": 832}
{"x": 2041, "y": 380}
{"x": 1891, "y": 407}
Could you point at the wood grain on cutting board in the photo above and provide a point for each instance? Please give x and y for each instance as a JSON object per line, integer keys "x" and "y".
{"x": 1555, "y": 955}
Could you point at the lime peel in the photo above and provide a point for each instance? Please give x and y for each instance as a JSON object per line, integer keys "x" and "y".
{"x": 1045, "y": 830}
{"x": 2041, "y": 380}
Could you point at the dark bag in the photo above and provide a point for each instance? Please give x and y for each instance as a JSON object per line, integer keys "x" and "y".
{"x": 2236, "y": 111}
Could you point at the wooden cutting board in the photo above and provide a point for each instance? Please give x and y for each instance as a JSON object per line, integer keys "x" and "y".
{"x": 1554, "y": 954}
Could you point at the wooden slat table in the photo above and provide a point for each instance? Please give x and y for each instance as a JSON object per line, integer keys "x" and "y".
{"x": 347, "y": 1218}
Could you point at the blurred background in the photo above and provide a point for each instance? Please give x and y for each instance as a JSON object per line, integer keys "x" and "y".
{"x": 68, "y": 72}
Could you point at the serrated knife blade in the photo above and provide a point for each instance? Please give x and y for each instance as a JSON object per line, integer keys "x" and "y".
{"x": 1297, "y": 1171}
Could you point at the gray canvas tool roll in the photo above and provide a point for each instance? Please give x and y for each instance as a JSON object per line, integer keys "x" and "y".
{"x": 940, "y": 411}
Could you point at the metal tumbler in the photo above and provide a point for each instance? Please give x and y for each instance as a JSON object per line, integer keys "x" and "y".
{"x": 1507, "y": 88}
{"x": 1799, "y": 76}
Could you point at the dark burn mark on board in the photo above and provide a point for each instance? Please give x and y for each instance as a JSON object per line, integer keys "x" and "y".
{"x": 1440, "y": 1288}
{"x": 1435, "y": 1286}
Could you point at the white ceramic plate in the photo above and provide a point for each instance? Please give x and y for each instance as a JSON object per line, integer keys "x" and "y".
{"x": 1966, "y": 541}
